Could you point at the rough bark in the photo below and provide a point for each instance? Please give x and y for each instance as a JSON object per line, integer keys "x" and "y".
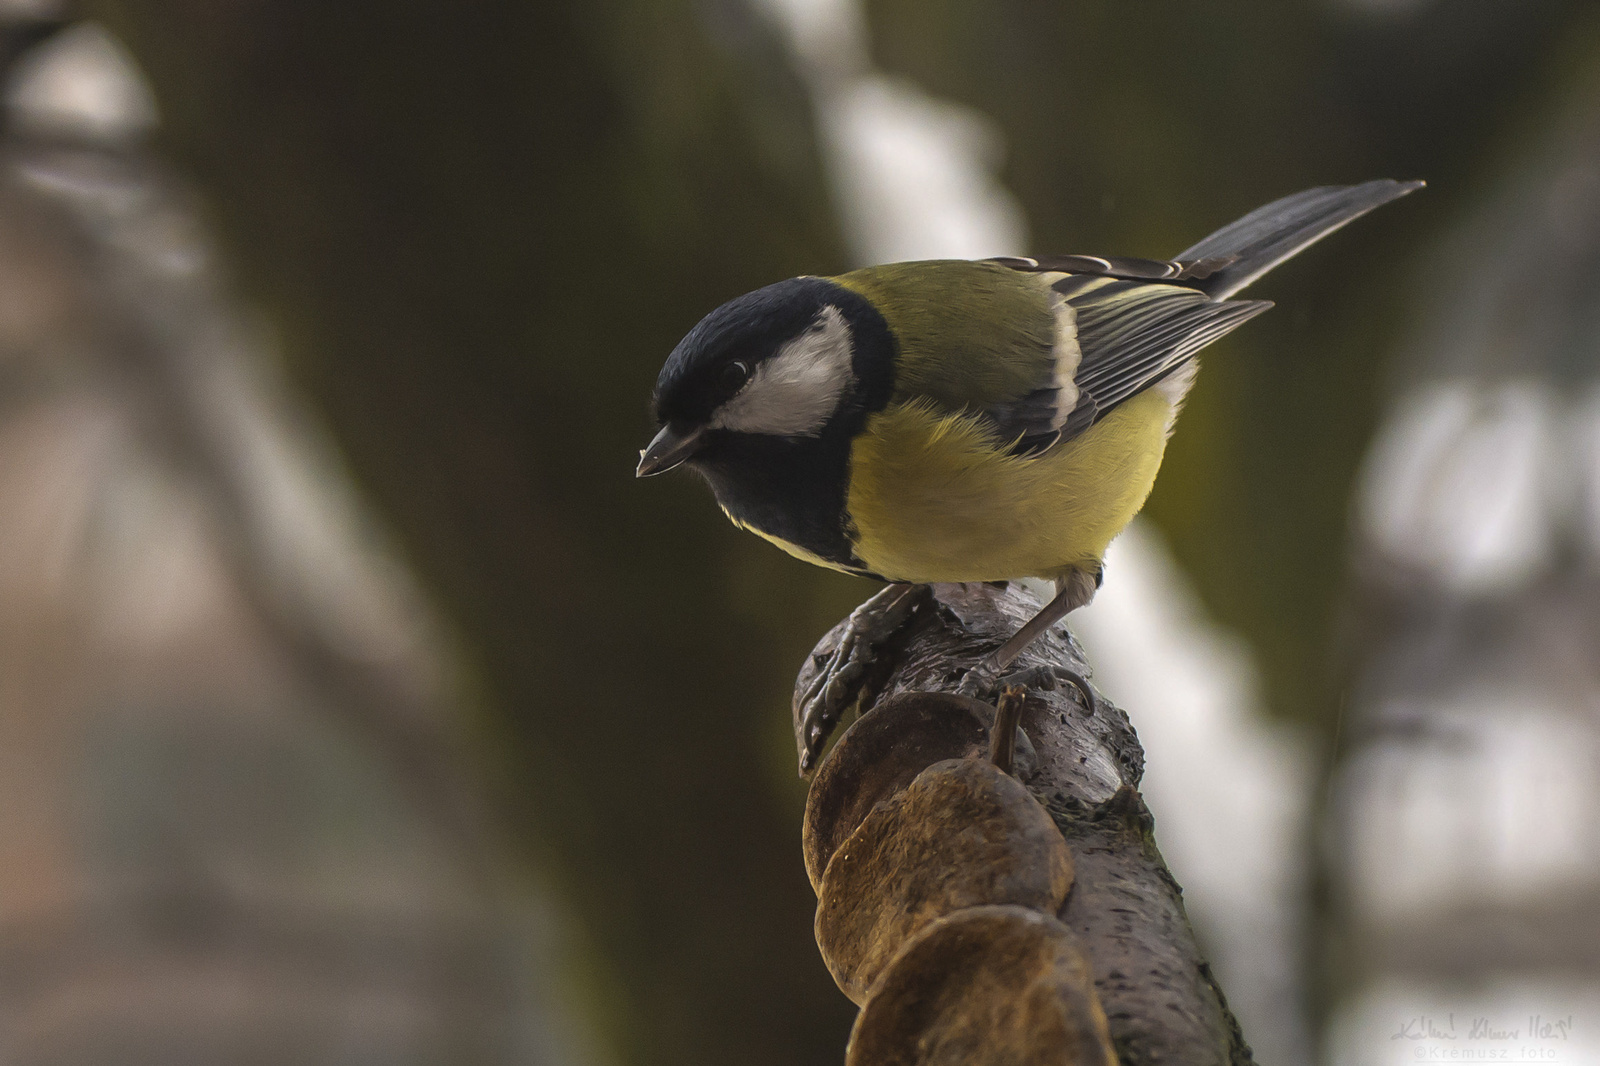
{"x": 1160, "y": 1000}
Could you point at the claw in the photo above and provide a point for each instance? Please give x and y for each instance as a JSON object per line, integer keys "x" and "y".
{"x": 1073, "y": 590}
{"x": 1046, "y": 677}
{"x": 979, "y": 683}
{"x": 984, "y": 680}
{"x": 841, "y": 680}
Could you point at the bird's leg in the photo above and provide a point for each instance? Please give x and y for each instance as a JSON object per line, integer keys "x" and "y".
{"x": 841, "y": 679}
{"x": 1072, "y": 592}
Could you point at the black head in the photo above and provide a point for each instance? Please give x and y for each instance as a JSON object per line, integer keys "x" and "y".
{"x": 790, "y": 361}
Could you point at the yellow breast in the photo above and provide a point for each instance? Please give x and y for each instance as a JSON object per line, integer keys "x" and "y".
{"x": 932, "y": 499}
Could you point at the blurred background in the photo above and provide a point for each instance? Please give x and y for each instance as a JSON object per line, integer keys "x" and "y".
{"x": 358, "y": 706}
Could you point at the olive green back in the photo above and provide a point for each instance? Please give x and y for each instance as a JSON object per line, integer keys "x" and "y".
{"x": 972, "y": 335}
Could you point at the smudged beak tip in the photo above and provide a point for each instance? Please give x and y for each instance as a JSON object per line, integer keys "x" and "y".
{"x": 669, "y": 449}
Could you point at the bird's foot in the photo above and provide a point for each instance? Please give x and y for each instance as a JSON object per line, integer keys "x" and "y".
{"x": 981, "y": 682}
{"x": 984, "y": 680}
{"x": 842, "y": 677}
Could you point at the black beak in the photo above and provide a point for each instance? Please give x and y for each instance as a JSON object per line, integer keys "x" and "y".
{"x": 669, "y": 449}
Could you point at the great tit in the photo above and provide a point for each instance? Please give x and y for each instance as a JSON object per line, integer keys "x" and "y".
{"x": 955, "y": 420}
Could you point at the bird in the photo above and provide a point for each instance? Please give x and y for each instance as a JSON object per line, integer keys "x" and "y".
{"x": 962, "y": 420}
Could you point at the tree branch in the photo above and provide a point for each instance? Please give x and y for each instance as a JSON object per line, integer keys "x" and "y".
{"x": 1124, "y": 909}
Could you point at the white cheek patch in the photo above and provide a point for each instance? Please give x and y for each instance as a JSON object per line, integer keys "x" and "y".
{"x": 794, "y": 393}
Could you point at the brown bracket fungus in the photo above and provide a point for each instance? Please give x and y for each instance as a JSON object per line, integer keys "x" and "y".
{"x": 878, "y": 756}
{"x": 963, "y": 834}
{"x": 985, "y": 985}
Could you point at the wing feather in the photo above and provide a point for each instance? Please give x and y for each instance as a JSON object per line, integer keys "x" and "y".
{"x": 1138, "y": 321}
{"x": 1133, "y": 334}
{"x": 1120, "y": 266}
{"x": 1067, "y": 339}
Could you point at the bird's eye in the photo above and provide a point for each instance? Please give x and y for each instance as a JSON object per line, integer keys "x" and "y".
{"x": 734, "y": 375}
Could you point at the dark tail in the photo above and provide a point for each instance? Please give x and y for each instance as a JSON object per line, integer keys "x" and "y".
{"x": 1268, "y": 235}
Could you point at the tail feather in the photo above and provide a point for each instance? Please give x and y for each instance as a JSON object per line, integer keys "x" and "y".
{"x": 1268, "y": 235}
